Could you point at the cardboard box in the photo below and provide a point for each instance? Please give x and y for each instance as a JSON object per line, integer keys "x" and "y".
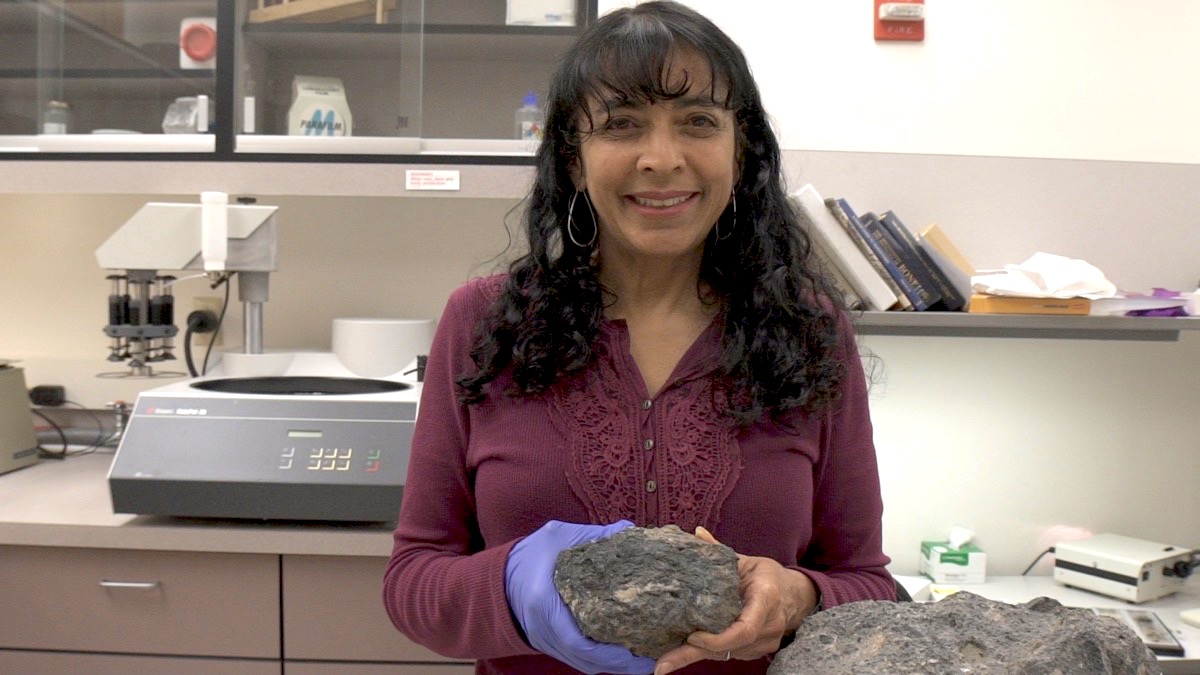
{"x": 947, "y": 565}
{"x": 541, "y": 13}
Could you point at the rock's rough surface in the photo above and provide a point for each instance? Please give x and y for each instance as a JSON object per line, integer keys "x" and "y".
{"x": 964, "y": 633}
{"x": 649, "y": 588}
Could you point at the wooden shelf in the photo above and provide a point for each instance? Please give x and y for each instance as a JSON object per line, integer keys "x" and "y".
{"x": 961, "y": 324}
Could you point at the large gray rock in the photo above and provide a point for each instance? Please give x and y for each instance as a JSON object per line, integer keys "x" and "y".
{"x": 964, "y": 633}
{"x": 648, "y": 588}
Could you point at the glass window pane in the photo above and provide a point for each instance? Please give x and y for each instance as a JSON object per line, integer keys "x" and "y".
{"x": 72, "y": 71}
{"x": 330, "y": 76}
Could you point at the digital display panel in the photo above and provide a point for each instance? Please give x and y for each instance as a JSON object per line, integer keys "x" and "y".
{"x": 304, "y": 433}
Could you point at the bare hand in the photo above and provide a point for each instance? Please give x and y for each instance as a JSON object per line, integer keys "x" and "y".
{"x": 774, "y": 601}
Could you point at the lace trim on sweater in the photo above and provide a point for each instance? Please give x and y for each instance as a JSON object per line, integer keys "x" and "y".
{"x": 695, "y": 459}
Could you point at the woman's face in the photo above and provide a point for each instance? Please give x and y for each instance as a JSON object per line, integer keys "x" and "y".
{"x": 659, "y": 175}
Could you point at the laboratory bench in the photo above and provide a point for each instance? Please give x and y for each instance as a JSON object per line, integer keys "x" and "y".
{"x": 100, "y": 592}
{"x": 117, "y": 593}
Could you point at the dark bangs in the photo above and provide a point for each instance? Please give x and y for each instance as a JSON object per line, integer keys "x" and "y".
{"x": 631, "y": 61}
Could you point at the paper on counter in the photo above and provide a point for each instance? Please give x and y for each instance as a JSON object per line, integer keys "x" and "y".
{"x": 1046, "y": 275}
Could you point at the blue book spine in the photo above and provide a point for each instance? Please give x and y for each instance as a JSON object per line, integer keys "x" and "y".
{"x": 867, "y": 226}
{"x": 932, "y": 275}
{"x": 911, "y": 258}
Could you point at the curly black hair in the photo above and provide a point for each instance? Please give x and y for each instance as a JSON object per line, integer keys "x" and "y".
{"x": 779, "y": 345}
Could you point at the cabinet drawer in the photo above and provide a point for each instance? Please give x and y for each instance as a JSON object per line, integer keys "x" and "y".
{"x": 56, "y": 663}
{"x": 158, "y": 602}
{"x": 333, "y": 610}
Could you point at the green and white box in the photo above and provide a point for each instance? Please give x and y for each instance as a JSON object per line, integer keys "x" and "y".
{"x": 945, "y": 564}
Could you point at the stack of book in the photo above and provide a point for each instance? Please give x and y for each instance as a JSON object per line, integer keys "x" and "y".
{"x": 1160, "y": 303}
{"x": 1053, "y": 284}
{"x": 878, "y": 263}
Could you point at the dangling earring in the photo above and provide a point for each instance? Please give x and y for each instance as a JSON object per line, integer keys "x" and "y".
{"x": 571, "y": 220}
{"x": 732, "y": 221}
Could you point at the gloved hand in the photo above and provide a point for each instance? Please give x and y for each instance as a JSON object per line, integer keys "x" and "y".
{"x": 548, "y": 623}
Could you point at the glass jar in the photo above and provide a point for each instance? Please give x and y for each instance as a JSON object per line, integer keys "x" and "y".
{"x": 56, "y": 119}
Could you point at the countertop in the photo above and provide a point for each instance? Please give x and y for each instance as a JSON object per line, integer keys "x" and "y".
{"x": 66, "y": 503}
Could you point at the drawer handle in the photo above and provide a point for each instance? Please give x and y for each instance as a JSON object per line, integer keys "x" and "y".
{"x": 143, "y": 585}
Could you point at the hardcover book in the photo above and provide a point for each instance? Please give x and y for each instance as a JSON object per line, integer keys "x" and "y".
{"x": 848, "y": 219}
{"x": 982, "y": 303}
{"x": 948, "y": 258}
{"x": 842, "y": 251}
{"x": 923, "y": 297}
{"x": 928, "y": 271}
{"x": 826, "y": 268}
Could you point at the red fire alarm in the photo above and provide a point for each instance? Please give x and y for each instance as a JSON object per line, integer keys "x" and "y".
{"x": 900, "y": 20}
{"x": 198, "y": 43}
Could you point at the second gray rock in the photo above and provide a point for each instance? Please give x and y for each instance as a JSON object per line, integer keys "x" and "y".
{"x": 964, "y": 633}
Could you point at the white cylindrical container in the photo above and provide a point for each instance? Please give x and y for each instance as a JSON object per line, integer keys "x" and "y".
{"x": 214, "y": 230}
{"x": 380, "y": 347}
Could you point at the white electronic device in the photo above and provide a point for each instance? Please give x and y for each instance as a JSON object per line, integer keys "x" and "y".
{"x": 264, "y": 436}
{"x": 1126, "y": 568}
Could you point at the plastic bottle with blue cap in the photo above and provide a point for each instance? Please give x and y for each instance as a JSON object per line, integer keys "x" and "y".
{"x": 529, "y": 118}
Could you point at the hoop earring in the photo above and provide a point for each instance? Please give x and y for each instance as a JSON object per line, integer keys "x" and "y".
{"x": 571, "y": 220}
{"x": 733, "y": 221}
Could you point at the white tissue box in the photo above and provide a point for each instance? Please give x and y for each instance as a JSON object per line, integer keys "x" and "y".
{"x": 945, "y": 564}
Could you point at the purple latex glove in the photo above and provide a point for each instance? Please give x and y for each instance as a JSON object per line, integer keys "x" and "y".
{"x": 548, "y": 623}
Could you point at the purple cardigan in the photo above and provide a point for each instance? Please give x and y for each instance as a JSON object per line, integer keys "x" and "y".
{"x": 597, "y": 449}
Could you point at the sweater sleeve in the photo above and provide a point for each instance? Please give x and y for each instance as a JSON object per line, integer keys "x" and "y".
{"x": 845, "y": 558}
{"x": 442, "y": 588}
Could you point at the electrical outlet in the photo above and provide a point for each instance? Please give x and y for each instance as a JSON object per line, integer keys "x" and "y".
{"x": 209, "y": 304}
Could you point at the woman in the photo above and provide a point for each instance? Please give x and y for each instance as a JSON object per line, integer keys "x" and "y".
{"x": 664, "y": 353}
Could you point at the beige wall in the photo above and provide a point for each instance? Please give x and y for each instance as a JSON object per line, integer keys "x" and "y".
{"x": 1010, "y": 437}
{"x": 1075, "y": 79}
{"x": 1021, "y": 439}
{"x": 361, "y": 256}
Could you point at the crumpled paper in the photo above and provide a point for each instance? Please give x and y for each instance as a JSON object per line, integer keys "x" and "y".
{"x": 1046, "y": 275}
